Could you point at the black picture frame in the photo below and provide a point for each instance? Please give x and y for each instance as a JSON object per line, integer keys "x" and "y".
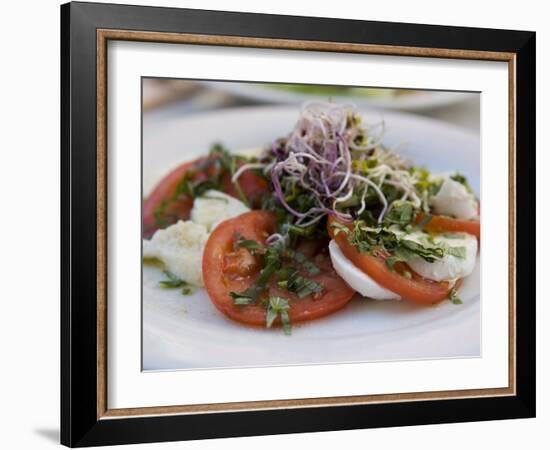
{"x": 80, "y": 425}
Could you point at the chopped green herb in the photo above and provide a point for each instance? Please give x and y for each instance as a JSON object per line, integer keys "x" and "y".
{"x": 278, "y": 307}
{"x": 435, "y": 187}
{"x": 158, "y": 214}
{"x": 299, "y": 285}
{"x": 400, "y": 255}
{"x": 301, "y": 259}
{"x": 391, "y": 240}
{"x": 453, "y": 235}
{"x": 299, "y": 231}
{"x": 218, "y": 165}
{"x": 242, "y": 300}
{"x": 311, "y": 268}
{"x": 286, "y": 277}
{"x": 172, "y": 282}
{"x": 255, "y": 248}
{"x": 339, "y": 228}
{"x": 230, "y": 164}
{"x": 211, "y": 197}
{"x": 453, "y": 297}
{"x": 401, "y": 213}
{"x": 427, "y": 250}
{"x": 463, "y": 181}
{"x": 272, "y": 263}
{"x": 459, "y": 252}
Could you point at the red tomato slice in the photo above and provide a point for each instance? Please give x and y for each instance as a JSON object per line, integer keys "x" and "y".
{"x": 164, "y": 191}
{"x": 252, "y": 186}
{"x": 226, "y": 270}
{"x": 445, "y": 224}
{"x": 415, "y": 289}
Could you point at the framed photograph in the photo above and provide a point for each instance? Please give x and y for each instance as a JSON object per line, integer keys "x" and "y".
{"x": 277, "y": 224}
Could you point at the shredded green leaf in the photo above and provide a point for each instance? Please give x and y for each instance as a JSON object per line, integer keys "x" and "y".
{"x": 398, "y": 243}
{"x": 459, "y": 252}
{"x": 254, "y": 247}
{"x": 401, "y": 213}
{"x": 272, "y": 262}
{"x": 287, "y": 277}
{"x": 299, "y": 285}
{"x": 242, "y": 300}
{"x": 459, "y": 178}
{"x": 278, "y": 307}
{"x": 211, "y": 197}
{"x": 311, "y": 268}
{"x": 219, "y": 164}
{"x": 451, "y": 235}
{"x": 454, "y": 298}
{"x": 174, "y": 282}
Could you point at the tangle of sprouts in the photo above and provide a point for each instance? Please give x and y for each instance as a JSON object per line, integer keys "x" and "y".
{"x": 326, "y": 155}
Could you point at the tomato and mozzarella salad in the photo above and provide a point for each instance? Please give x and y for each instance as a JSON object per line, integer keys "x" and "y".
{"x": 312, "y": 220}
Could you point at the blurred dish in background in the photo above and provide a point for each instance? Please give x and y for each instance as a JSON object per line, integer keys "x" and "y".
{"x": 159, "y": 91}
{"x": 396, "y": 99}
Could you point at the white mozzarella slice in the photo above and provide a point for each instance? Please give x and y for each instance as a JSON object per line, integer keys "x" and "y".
{"x": 453, "y": 199}
{"x": 449, "y": 267}
{"x": 180, "y": 247}
{"x": 356, "y": 278}
{"x": 215, "y": 207}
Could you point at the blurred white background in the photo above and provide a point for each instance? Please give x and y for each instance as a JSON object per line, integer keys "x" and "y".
{"x": 168, "y": 98}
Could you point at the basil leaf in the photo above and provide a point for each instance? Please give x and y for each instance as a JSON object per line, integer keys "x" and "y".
{"x": 278, "y": 306}
{"x": 453, "y": 297}
{"x": 270, "y": 317}
{"x": 301, "y": 259}
{"x": 272, "y": 263}
{"x": 253, "y": 247}
{"x": 459, "y": 178}
{"x": 241, "y": 300}
{"x": 299, "y": 285}
{"x": 459, "y": 252}
{"x": 172, "y": 282}
{"x": 401, "y": 213}
{"x": 452, "y": 235}
{"x": 285, "y": 320}
{"x": 311, "y": 268}
{"x": 400, "y": 255}
{"x": 220, "y": 199}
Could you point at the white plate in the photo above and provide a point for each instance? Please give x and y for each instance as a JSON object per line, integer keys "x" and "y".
{"x": 185, "y": 332}
{"x": 410, "y": 101}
